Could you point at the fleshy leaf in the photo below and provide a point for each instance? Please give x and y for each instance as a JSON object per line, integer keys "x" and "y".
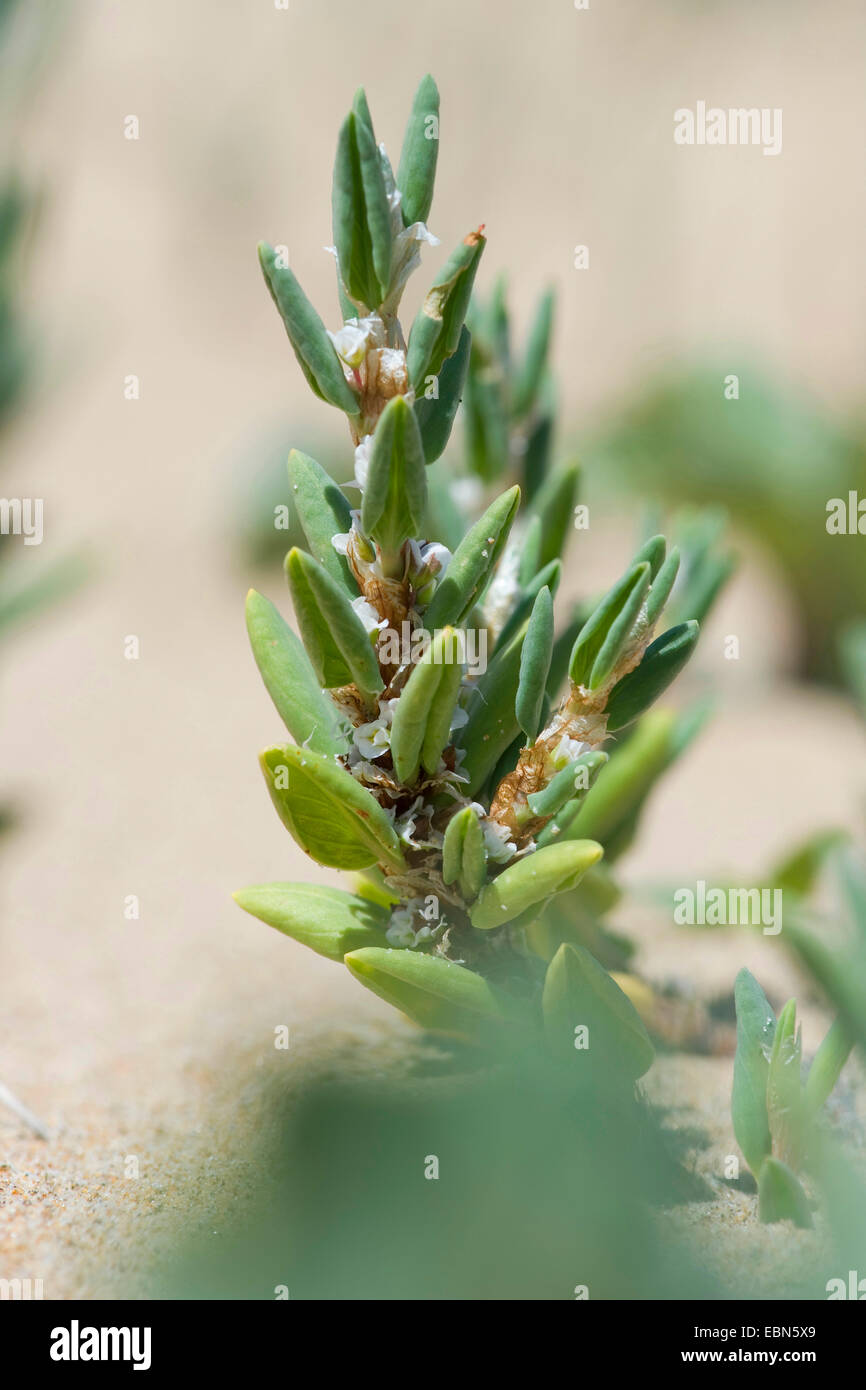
{"x": 662, "y": 663}
{"x": 361, "y": 216}
{"x": 309, "y": 715}
{"x": 603, "y": 635}
{"x": 323, "y": 513}
{"x": 438, "y": 323}
{"x": 534, "y": 666}
{"x": 332, "y": 817}
{"x": 531, "y": 881}
{"x": 464, "y": 857}
{"x": 528, "y": 378}
{"x": 756, "y": 1026}
{"x": 416, "y": 174}
{"x": 433, "y": 992}
{"x": 780, "y": 1195}
{"x": 395, "y": 496}
{"x": 312, "y": 346}
{"x": 326, "y": 919}
{"x": 334, "y": 636}
{"x": 422, "y": 715}
{"x": 580, "y": 994}
{"x": 435, "y": 413}
{"x": 472, "y": 563}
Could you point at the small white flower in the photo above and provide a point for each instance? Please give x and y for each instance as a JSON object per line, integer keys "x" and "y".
{"x": 374, "y": 739}
{"x": 496, "y": 842}
{"x": 368, "y": 615}
{"x": 362, "y": 461}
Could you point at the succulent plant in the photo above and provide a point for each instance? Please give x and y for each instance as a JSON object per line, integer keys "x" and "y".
{"x": 433, "y": 756}
{"x": 772, "y": 1108}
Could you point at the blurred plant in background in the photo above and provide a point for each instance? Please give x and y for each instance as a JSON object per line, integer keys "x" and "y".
{"x": 769, "y": 456}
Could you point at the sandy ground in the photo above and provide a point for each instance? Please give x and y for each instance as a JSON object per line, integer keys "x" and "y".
{"x": 135, "y": 1037}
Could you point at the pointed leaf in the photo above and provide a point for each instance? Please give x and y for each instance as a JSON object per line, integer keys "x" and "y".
{"x": 662, "y": 663}
{"x": 554, "y": 507}
{"x": 472, "y": 563}
{"x": 438, "y": 323}
{"x": 333, "y": 818}
{"x": 464, "y": 856}
{"x": 429, "y": 695}
{"x": 569, "y": 786}
{"x": 607, "y": 629}
{"x": 435, "y": 414}
{"x": 416, "y": 174}
{"x": 433, "y": 992}
{"x": 395, "y": 495}
{"x": 312, "y": 346}
{"x": 327, "y": 920}
{"x": 534, "y": 666}
{"x": 530, "y": 374}
{"x": 361, "y": 216}
{"x": 309, "y": 715}
{"x": 532, "y": 880}
{"x": 334, "y": 636}
{"x": 323, "y": 513}
{"x": 492, "y": 722}
{"x": 780, "y": 1195}
{"x": 579, "y": 993}
{"x": 756, "y": 1026}
{"x": 827, "y": 1065}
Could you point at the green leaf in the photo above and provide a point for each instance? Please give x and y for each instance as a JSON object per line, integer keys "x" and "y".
{"x": 579, "y": 993}
{"x": 784, "y": 1092}
{"x": 827, "y": 1065}
{"x": 312, "y": 346}
{"x": 433, "y": 992}
{"x": 568, "y": 787}
{"x": 361, "y": 216}
{"x": 323, "y": 513}
{"x": 532, "y": 880}
{"x": 529, "y": 376}
{"x": 485, "y": 417}
{"x": 309, "y": 715}
{"x": 464, "y": 856}
{"x": 334, "y": 636}
{"x": 554, "y": 506}
{"x": 662, "y": 662}
{"x": 653, "y": 551}
{"x": 472, "y": 563}
{"x": 333, "y": 818}
{"x": 663, "y": 582}
{"x": 395, "y": 496}
{"x": 422, "y": 715}
{"x": 327, "y": 920}
{"x": 605, "y": 632}
{"x": 756, "y": 1026}
{"x": 435, "y": 414}
{"x": 621, "y": 630}
{"x": 537, "y": 454}
{"x": 799, "y": 871}
{"x": 549, "y": 577}
{"x": 438, "y": 323}
{"x": 492, "y": 722}
{"x": 534, "y": 666}
{"x": 416, "y": 174}
{"x": 780, "y": 1195}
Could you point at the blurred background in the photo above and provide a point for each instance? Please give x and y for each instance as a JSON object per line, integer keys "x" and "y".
{"x": 132, "y": 784}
